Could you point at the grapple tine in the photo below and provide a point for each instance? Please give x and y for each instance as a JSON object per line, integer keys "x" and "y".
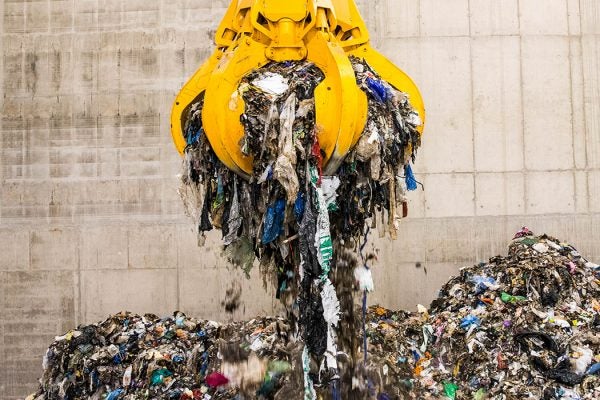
{"x": 222, "y": 109}
{"x": 188, "y": 94}
{"x": 197, "y": 84}
{"x": 337, "y": 101}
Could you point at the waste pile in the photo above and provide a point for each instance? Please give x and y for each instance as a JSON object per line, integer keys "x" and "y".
{"x": 521, "y": 326}
{"x": 524, "y": 326}
{"x": 129, "y": 356}
{"x": 287, "y": 214}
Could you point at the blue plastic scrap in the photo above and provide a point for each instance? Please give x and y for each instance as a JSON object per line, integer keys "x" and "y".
{"x": 482, "y": 283}
{"x": 220, "y": 190}
{"x": 95, "y": 379}
{"x": 411, "y": 181}
{"x": 193, "y": 137}
{"x": 594, "y": 369}
{"x": 378, "y": 90}
{"x": 177, "y": 358}
{"x": 470, "y": 320}
{"x": 416, "y": 355}
{"x": 118, "y": 358}
{"x": 115, "y": 394}
{"x": 204, "y": 359}
{"x": 273, "y": 224}
{"x": 299, "y": 206}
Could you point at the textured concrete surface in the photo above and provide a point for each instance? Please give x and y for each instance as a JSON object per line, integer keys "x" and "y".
{"x": 90, "y": 220}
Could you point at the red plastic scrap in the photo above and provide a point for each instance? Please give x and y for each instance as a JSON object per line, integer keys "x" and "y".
{"x": 216, "y": 379}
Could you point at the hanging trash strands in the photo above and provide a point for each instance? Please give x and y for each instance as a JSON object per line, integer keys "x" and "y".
{"x": 287, "y": 213}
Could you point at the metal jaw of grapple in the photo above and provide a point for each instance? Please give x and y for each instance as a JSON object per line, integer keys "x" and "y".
{"x": 254, "y": 33}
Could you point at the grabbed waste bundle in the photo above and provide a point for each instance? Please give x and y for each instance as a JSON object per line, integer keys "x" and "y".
{"x": 521, "y": 326}
{"x": 298, "y": 138}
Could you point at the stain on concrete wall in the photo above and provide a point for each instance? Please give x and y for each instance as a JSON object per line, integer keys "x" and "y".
{"x": 90, "y": 219}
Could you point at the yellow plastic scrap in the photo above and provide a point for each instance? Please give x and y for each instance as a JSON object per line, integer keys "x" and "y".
{"x": 380, "y": 311}
{"x": 181, "y": 334}
{"x": 385, "y": 326}
{"x": 456, "y": 370}
{"x": 422, "y": 364}
{"x": 596, "y": 305}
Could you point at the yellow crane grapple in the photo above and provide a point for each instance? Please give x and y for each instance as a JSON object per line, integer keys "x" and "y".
{"x": 254, "y": 33}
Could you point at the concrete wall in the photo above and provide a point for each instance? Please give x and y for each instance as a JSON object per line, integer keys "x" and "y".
{"x": 90, "y": 221}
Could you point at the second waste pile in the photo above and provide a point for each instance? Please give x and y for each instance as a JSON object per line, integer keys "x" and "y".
{"x": 521, "y": 326}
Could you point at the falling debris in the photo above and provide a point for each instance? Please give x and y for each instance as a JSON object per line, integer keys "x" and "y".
{"x": 233, "y": 297}
{"x": 521, "y": 326}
